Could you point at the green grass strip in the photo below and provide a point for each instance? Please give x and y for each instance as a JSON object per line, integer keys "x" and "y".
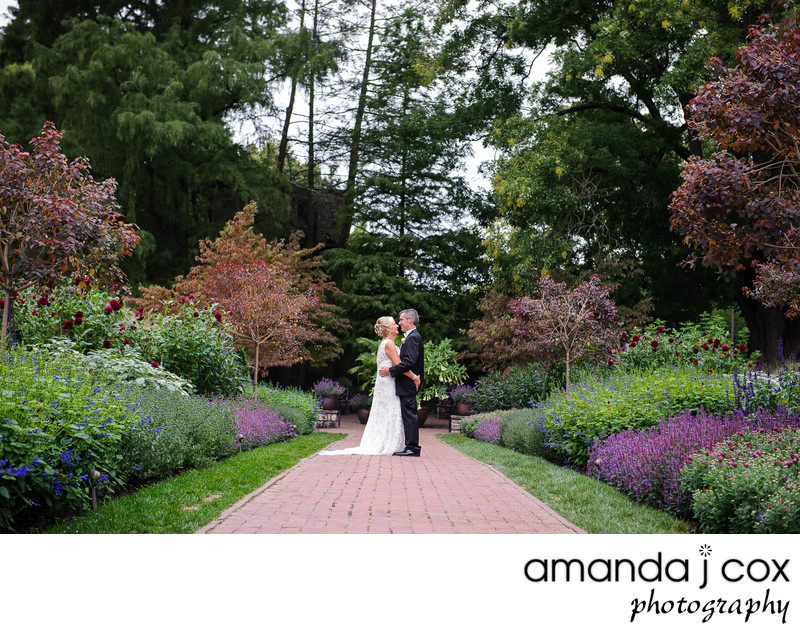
{"x": 184, "y": 503}
{"x": 587, "y": 503}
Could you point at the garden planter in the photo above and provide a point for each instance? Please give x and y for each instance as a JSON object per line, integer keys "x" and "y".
{"x": 463, "y": 408}
{"x": 363, "y": 415}
{"x": 330, "y": 403}
{"x": 422, "y": 416}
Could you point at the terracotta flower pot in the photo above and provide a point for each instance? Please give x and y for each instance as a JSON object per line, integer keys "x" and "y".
{"x": 422, "y": 416}
{"x": 363, "y": 415}
{"x": 329, "y": 403}
{"x": 463, "y": 408}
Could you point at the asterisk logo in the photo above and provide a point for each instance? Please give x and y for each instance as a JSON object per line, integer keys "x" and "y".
{"x": 705, "y": 550}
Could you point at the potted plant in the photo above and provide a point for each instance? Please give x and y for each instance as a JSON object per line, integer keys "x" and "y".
{"x": 361, "y": 404}
{"x": 329, "y": 391}
{"x": 464, "y": 397}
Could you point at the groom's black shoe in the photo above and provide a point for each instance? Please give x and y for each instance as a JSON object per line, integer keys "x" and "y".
{"x": 406, "y": 452}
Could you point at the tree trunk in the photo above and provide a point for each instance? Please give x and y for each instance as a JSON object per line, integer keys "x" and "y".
{"x": 283, "y": 147}
{"x": 355, "y": 141}
{"x": 255, "y": 372}
{"x": 311, "y": 81}
{"x": 771, "y": 333}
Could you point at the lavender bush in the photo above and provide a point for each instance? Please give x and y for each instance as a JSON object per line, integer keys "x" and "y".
{"x": 757, "y": 389}
{"x": 257, "y": 425}
{"x": 463, "y": 393}
{"x": 646, "y": 464}
{"x": 488, "y": 431}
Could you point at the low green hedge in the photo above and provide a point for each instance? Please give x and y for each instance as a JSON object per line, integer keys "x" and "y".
{"x": 176, "y": 432}
{"x": 294, "y": 405}
{"x": 518, "y": 434}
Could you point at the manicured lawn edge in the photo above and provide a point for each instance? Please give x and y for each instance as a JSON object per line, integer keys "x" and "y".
{"x": 188, "y": 501}
{"x": 587, "y": 503}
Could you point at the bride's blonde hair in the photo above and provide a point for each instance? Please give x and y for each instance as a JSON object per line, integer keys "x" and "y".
{"x": 382, "y": 324}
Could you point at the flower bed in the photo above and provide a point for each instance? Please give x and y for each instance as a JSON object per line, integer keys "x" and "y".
{"x": 706, "y": 345}
{"x": 297, "y": 407}
{"x": 646, "y": 464}
{"x": 626, "y": 400}
{"x": 60, "y": 436}
{"x": 749, "y": 483}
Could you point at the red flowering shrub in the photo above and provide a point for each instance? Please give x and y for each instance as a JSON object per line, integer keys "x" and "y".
{"x": 704, "y": 344}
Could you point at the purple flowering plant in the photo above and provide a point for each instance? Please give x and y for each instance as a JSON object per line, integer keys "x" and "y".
{"x": 646, "y": 464}
{"x": 327, "y": 387}
{"x": 257, "y": 425}
{"x": 463, "y": 393}
{"x": 488, "y": 431}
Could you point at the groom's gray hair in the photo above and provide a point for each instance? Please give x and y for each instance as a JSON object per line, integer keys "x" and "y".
{"x": 412, "y": 314}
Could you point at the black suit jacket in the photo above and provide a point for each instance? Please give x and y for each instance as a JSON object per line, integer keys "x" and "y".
{"x": 412, "y": 357}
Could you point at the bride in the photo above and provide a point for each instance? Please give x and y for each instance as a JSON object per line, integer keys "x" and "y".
{"x": 384, "y": 432}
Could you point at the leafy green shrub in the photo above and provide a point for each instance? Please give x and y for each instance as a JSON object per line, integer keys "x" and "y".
{"x": 743, "y": 484}
{"x": 117, "y": 366}
{"x": 61, "y": 430}
{"x": 705, "y": 345}
{"x": 632, "y": 399}
{"x": 195, "y": 345}
{"x": 518, "y": 433}
{"x": 177, "y": 432}
{"x": 295, "y": 406}
{"x": 757, "y": 389}
{"x": 514, "y": 388}
{"x": 193, "y": 342}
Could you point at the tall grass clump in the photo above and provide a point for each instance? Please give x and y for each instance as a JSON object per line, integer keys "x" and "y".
{"x": 633, "y": 399}
{"x": 297, "y": 407}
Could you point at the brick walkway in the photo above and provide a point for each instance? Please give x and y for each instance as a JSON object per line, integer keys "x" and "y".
{"x": 443, "y": 491}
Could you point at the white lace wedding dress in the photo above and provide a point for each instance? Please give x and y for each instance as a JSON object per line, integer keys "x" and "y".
{"x": 384, "y": 432}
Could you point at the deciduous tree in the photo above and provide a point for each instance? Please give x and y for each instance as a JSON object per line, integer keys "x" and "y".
{"x": 567, "y": 323}
{"x": 238, "y": 245}
{"x": 268, "y": 313}
{"x": 739, "y": 209}
{"x": 55, "y": 219}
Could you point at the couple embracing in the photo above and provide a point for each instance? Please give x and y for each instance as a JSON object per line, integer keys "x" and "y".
{"x": 393, "y": 425}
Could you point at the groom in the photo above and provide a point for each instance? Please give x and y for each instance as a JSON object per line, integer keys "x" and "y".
{"x": 412, "y": 357}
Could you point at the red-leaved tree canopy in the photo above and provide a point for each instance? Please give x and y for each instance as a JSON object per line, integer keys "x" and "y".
{"x": 567, "y": 323}
{"x": 239, "y": 246}
{"x": 268, "y": 314}
{"x": 55, "y": 219}
{"x": 739, "y": 209}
